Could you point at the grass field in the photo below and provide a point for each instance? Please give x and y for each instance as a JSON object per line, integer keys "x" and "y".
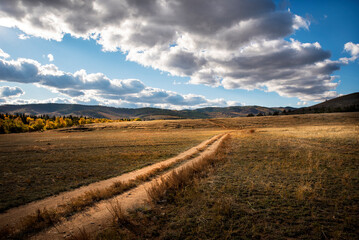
{"x": 36, "y": 165}
{"x": 299, "y": 182}
{"x": 283, "y": 177}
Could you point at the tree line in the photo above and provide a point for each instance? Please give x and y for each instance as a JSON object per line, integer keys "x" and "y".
{"x": 21, "y": 122}
{"x": 275, "y": 113}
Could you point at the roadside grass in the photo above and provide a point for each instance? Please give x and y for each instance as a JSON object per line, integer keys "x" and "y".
{"x": 159, "y": 192}
{"x": 45, "y": 218}
{"x": 245, "y": 122}
{"x": 276, "y": 183}
{"x": 37, "y": 165}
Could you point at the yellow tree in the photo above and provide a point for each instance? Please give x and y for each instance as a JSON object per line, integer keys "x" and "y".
{"x": 49, "y": 125}
{"x": 82, "y": 121}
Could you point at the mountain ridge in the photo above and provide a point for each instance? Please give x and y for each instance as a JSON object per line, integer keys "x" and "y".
{"x": 148, "y": 113}
{"x": 345, "y": 103}
{"x": 348, "y": 102}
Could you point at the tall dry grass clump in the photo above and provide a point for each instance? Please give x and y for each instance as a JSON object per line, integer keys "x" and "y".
{"x": 178, "y": 179}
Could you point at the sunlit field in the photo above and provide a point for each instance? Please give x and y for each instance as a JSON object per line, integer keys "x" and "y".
{"x": 276, "y": 177}
{"x": 36, "y": 165}
{"x": 294, "y": 182}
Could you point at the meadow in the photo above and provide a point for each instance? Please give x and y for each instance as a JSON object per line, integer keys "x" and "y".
{"x": 40, "y": 164}
{"x": 294, "y": 182}
{"x": 275, "y": 177}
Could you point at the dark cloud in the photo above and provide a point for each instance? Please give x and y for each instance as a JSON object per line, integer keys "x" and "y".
{"x": 30, "y": 71}
{"x": 158, "y": 96}
{"x": 282, "y": 59}
{"x": 10, "y": 92}
{"x": 12, "y": 8}
{"x": 209, "y": 16}
{"x": 72, "y": 93}
{"x": 24, "y": 71}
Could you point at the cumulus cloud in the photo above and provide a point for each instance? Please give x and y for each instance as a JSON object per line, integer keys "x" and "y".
{"x": 234, "y": 43}
{"x": 50, "y": 57}
{"x": 17, "y": 101}
{"x": 6, "y": 92}
{"x": 95, "y": 88}
{"x": 353, "y": 50}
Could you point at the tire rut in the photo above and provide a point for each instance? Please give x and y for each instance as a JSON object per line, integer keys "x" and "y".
{"x": 99, "y": 216}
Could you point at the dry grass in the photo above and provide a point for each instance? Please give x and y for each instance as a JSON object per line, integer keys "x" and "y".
{"x": 292, "y": 177}
{"x": 49, "y": 217}
{"x": 245, "y": 122}
{"x": 296, "y": 182}
{"x": 45, "y": 218}
{"x": 36, "y": 165}
{"x": 178, "y": 179}
{"x": 161, "y": 191}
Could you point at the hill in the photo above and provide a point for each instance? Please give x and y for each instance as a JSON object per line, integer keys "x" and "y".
{"x": 54, "y": 109}
{"x": 346, "y": 103}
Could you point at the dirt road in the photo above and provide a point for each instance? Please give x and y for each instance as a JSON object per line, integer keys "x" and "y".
{"x": 100, "y": 216}
{"x": 13, "y": 216}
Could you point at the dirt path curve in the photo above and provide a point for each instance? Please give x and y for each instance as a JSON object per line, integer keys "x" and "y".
{"x": 14, "y": 215}
{"x": 99, "y": 216}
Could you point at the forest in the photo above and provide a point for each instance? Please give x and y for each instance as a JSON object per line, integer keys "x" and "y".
{"x": 20, "y": 122}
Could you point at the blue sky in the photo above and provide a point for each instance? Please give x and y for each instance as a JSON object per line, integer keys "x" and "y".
{"x": 187, "y": 55}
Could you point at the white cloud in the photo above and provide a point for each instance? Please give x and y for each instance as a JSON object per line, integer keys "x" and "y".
{"x": 95, "y": 88}
{"x": 3, "y": 54}
{"x": 353, "y": 50}
{"x": 23, "y": 36}
{"x": 300, "y": 22}
{"x": 50, "y": 57}
{"x": 235, "y": 44}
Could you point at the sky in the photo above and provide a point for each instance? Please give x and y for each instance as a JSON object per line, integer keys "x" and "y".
{"x": 178, "y": 54}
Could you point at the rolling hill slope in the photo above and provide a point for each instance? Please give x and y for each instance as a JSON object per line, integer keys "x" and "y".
{"x": 347, "y": 103}
{"x": 54, "y": 109}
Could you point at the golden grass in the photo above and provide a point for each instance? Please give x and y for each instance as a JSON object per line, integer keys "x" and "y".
{"x": 45, "y": 218}
{"x": 36, "y": 165}
{"x": 174, "y": 182}
{"x": 178, "y": 179}
{"x": 291, "y": 177}
{"x": 298, "y": 182}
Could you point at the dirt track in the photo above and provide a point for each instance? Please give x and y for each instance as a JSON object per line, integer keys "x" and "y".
{"x": 14, "y": 216}
{"x": 99, "y": 216}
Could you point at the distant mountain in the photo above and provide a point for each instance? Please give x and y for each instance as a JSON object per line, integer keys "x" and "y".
{"x": 54, "y": 109}
{"x": 346, "y": 103}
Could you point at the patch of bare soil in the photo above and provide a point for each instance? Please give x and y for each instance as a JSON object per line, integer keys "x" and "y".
{"x": 99, "y": 216}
